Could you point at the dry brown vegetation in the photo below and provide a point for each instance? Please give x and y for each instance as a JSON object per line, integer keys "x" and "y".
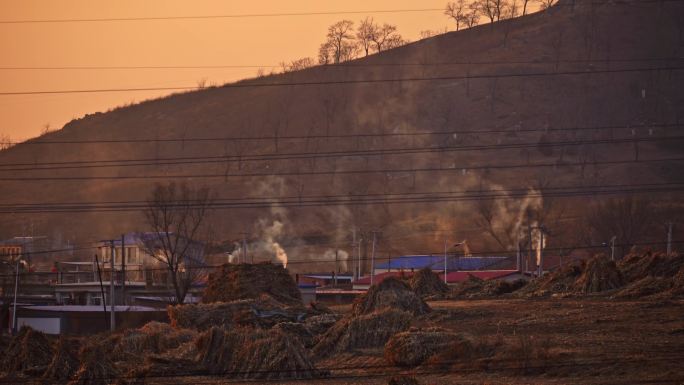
{"x": 362, "y": 331}
{"x": 475, "y": 287}
{"x": 251, "y": 281}
{"x": 586, "y": 339}
{"x": 390, "y": 293}
{"x": 638, "y": 275}
{"x": 580, "y": 36}
{"x": 427, "y": 284}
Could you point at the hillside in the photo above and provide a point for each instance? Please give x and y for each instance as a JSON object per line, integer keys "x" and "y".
{"x": 491, "y": 86}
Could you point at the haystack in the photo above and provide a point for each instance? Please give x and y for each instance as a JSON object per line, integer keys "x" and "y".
{"x": 365, "y": 331}
{"x": 413, "y": 347}
{"x": 156, "y": 366}
{"x": 426, "y": 283}
{"x": 475, "y": 287}
{"x": 96, "y": 364}
{"x": 204, "y": 316}
{"x": 258, "y": 313}
{"x": 646, "y": 286}
{"x": 254, "y": 354}
{"x": 559, "y": 281}
{"x": 29, "y": 352}
{"x": 600, "y": 274}
{"x": 153, "y": 338}
{"x": 64, "y": 361}
{"x": 403, "y": 380}
{"x": 297, "y": 330}
{"x": 472, "y": 285}
{"x": 391, "y": 293}
{"x": 251, "y": 281}
{"x": 677, "y": 285}
{"x": 319, "y": 324}
{"x": 635, "y": 266}
{"x": 500, "y": 287}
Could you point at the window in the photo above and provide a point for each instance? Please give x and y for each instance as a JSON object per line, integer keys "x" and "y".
{"x": 131, "y": 255}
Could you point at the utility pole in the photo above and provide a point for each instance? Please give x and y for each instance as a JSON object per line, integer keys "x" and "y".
{"x": 337, "y": 250}
{"x": 541, "y": 250}
{"x": 372, "y": 273}
{"x": 353, "y": 245}
{"x": 540, "y": 262}
{"x": 112, "y": 315}
{"x": 123, "y": 270}
{"x": 612, "y": 248}
{"x": 99, "y": 276}
{"x": 358, "y": 266}
{"x": 529, "y": 248}
{"x": 445, "y": 260}
{"x": 669, "y": 238}
{"x": 16, "y": 288}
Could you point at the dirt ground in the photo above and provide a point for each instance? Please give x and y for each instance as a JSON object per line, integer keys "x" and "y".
{"x": 584, "y": 341}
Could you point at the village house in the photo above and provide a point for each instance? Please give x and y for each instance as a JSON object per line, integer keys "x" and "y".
{"x": 140, "y": 259}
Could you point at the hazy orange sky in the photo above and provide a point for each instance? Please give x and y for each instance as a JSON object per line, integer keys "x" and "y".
{"x": 259, "y": 41}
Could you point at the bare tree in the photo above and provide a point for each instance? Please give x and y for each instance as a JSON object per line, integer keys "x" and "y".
{"x": 177, "y": 216}
{"x": 5, "y": 142}
{"x": 512, "y": 9}
{"x": 427, "y": 33}
{"x": 525, "y": 2}
{"x": 501, "y": 6}
{"x": 386, "y": 37}
{"x": 546, "y": 4}
{"x": 488, "y": 9}
{"x": 628, "y": 219}
{"x": 457, "y": 10}
{"x": 297, "y": 65}
{"x": 340, "y": 41}
{"x": 494, "y": 10}
{"x": 326, "y": 53}
{"x": 365, "y": 33}
{"x": 472, "y": 17}
{"x": 487, "y": 211}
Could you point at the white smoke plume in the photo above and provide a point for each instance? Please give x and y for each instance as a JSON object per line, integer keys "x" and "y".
{"x": 268, "y": 243}
{"x": 232, "y": 257}
{"x": 538, "y": 242}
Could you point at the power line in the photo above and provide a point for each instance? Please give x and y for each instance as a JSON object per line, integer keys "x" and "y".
{"x": 274, "y": 199}
{"x": 38, "y": 141}
{"x": 461, "y": 168}
{"x": 351, "y": 200}
{"x": 225, "y": 16}
{"x": 227, "y": 175}
{"x": 342, "y": 65}
{"x": 313, "y": 155}
{"x": 276, "y": 14}
{"x": 255, "y": 83}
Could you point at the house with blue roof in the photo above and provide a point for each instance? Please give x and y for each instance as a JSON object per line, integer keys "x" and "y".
{"x": 436, "y": 263}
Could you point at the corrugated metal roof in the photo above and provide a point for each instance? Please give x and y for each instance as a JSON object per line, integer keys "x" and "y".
{"x": 436, "y": 262}
{"x": 453, "y": 277}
